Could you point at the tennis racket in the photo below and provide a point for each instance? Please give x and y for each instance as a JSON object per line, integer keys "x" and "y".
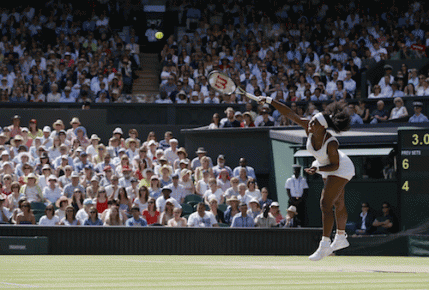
{"x": 225, "y": 85}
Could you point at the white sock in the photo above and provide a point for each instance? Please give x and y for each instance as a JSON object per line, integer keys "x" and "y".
{"x": 326, "y": 239}
{"x": 341, "y": 232}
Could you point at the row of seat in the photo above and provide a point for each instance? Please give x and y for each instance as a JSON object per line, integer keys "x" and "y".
{"x": 188, "y": 207}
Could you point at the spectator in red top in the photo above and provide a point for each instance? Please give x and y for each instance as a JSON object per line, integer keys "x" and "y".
{"x": 101, "y": 200}
{"x": 151, "y": 214}
{"x": 247, "y": 120}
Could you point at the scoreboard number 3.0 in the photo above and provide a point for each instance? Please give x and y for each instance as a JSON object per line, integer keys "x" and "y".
{"x": 416, "y": 140}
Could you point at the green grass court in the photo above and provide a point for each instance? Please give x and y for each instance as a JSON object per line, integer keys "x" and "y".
{"x": 213, "y": 272}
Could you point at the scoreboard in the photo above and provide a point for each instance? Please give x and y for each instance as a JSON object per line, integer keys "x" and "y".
{"x": 414, "y": 161}
{"x": 413, "y": 176}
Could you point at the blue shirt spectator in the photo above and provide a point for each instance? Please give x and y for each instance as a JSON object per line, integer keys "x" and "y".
{"x": 136, "y": 220}
{"x": 354, "y": 118}
{"x": 418, "y": 117}
{"x": 132, "y": 222}
{"x": 240, "y": 221}
{"x": 90, "y": 222}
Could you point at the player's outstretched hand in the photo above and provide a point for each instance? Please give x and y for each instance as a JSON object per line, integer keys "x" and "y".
{"x": 262, "y": 100}
{"x": 311, "y": 170}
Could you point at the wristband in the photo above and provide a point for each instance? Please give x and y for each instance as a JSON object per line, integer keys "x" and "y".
{"x": 268, "y": 100}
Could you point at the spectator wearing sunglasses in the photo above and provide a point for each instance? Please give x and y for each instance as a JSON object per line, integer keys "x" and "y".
{"x": 49, "y": 219}
{"x": 93, "y": 219}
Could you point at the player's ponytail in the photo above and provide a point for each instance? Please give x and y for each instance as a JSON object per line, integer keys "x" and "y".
{"x": 337, "y": 117}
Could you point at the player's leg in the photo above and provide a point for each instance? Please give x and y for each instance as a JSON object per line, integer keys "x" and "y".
{"x": 333, "y": 188}
{"x": 341, "y": 212}
{"x": 340, "y": 241}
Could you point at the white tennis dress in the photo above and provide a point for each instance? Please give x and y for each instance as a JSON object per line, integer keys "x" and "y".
{"x": 345, "y": 170}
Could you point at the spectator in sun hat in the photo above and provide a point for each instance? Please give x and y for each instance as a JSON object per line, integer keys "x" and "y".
{"x": 183, "y": 156}
{"x": 92, "y": 149}
{"x": 52, "y": 191}
{"x": 166, "y": 172}
{"x": 118, "y": 133}
{"x": 58, "y": 125}
{"x": 71, "y": 132}
{"x": 196, "y": 162}
{"x": 291, "y": 220}
{"x": 16, "y": 142}
{"x": 133, "y": 150}
{"x": 46, "y": 171}
{"x": 31, "y": 190}
{"x": 47, "y": 141}
{"x": 418, "y": 117}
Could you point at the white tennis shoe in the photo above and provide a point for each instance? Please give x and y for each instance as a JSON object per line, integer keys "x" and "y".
{"x": 323, "y": 251}
{"x": 340, "y": 242}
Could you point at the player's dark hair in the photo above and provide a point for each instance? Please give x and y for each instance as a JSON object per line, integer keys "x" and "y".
{"x": 337, "y": 117}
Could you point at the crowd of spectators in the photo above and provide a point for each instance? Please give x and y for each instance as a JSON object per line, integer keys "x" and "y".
{"x": 304, "y": 52}
{"x": 56, "y": 175}
{"x": 61, "y": 52}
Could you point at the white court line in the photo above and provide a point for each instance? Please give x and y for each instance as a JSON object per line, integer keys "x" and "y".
{"x": 20, "y": 285}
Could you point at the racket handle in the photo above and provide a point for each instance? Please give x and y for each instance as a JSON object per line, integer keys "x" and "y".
{"x": 250, "y": 96}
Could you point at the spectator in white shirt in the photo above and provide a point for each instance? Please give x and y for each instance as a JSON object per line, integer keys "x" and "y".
{"x": 297, "y": 189}
{"x": 349, "y": 84}
{"x": 171, "y": 152}
{"x": 212, "y": 98}
{"x": 67, "y": 96}
{"x": 377, "y": 52}
{"x": 51, "y": 191}
{"x": 424, "y": 89}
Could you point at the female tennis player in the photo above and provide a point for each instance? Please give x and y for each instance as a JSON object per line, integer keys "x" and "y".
{"x": 335, "y": 167}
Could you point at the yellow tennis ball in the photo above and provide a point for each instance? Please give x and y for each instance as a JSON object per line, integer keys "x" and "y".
{"x": 159, "y": 35}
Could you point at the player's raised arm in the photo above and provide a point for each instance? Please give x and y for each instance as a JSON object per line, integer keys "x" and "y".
{"x": 286, "y": 111}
